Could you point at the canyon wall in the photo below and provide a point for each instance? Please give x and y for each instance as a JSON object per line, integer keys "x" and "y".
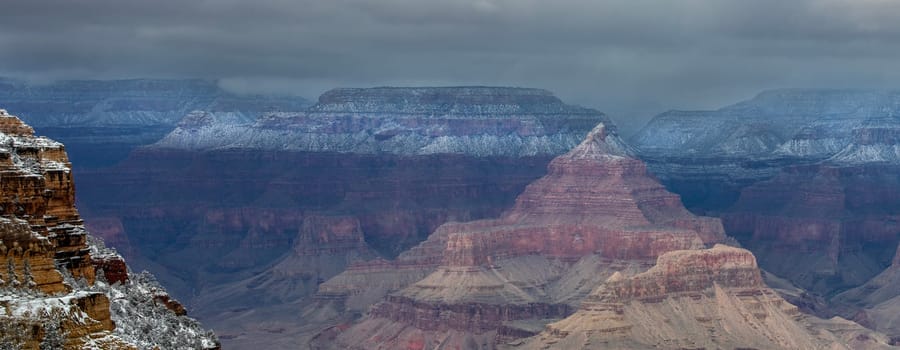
{"x": 51, "y": 294}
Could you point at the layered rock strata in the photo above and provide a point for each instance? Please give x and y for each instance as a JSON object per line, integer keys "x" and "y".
{"x": 596, "y": 212}
{"x": 709, "y": 156}
{"x": 101, "y": 121}
{"x": 219, "y": 205}
{"x": 696, "y": 299}
{"x": 49, "y": 297}
{"x": 477, "y": 121}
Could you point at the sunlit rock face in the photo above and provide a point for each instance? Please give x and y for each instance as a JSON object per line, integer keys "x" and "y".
{"x": 709, "y": 298}
{"x": 474, "y": 121}
{"x": 218, "y": 208}
{"x": 53, "y": 289}
{"x": 595, "y": 213}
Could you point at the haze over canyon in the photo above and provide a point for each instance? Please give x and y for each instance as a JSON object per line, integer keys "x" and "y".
{"x": 494, "y": 217}
{"x": 449, "y": 174}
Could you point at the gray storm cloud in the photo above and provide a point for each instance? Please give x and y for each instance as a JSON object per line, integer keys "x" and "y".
{"x": 631, "y": 58}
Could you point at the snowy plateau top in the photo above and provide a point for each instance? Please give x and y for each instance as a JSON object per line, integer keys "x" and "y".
{"x": 476, "y": 121}
{"x": 815, "y": 124}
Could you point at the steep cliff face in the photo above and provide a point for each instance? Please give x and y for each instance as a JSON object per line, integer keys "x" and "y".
{"x": 824, "y": 227}
{"x": 696, "y": 299}
{"x": 100, "y": 122}
{"x": 37, "y": 187}
{"x": 597, "y": 211}
{"x": 50, "y": 296}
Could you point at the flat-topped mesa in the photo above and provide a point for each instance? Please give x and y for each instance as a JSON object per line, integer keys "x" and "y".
{"x": 461, "y": 101}
{"x": 685, "y": 271}
{"x": 755, "y": 127}
{"x": 474, "y": 121}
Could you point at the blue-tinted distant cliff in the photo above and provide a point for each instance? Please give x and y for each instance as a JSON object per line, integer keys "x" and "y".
{"x": 100, "y": 121}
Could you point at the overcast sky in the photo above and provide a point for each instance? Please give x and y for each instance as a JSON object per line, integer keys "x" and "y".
{"x": 631, "y": 58}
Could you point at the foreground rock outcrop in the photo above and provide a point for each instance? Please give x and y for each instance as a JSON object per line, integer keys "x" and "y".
{"x": 50, "y": 293}
{"x": 696, "y": 299}
{"x": 596, "y": 212}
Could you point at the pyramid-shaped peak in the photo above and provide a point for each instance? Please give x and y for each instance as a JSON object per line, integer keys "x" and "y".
{"x": 601, "y": 142}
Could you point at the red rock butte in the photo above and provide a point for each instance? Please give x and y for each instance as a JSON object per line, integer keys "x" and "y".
{"x": 596, "y": 199}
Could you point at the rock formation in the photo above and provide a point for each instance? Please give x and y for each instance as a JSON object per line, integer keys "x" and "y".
{"x": 824, "y": 227}
{"x": 219, "y": 205}
{"x": 597, "y": 211}
{"x": 806, "y": 179}
{"x": 49, "y": 296}
{"x": 38, "y": 188}
{"x": 101, "y": 121}
{"x": 476, "y": 121}
{"x": 696, "y": 299}
{"x": 709, "y": 156}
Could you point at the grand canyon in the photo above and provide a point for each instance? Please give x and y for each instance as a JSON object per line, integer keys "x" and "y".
{"x": 489, "y": 217}
{"x": 449, "y": 174}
